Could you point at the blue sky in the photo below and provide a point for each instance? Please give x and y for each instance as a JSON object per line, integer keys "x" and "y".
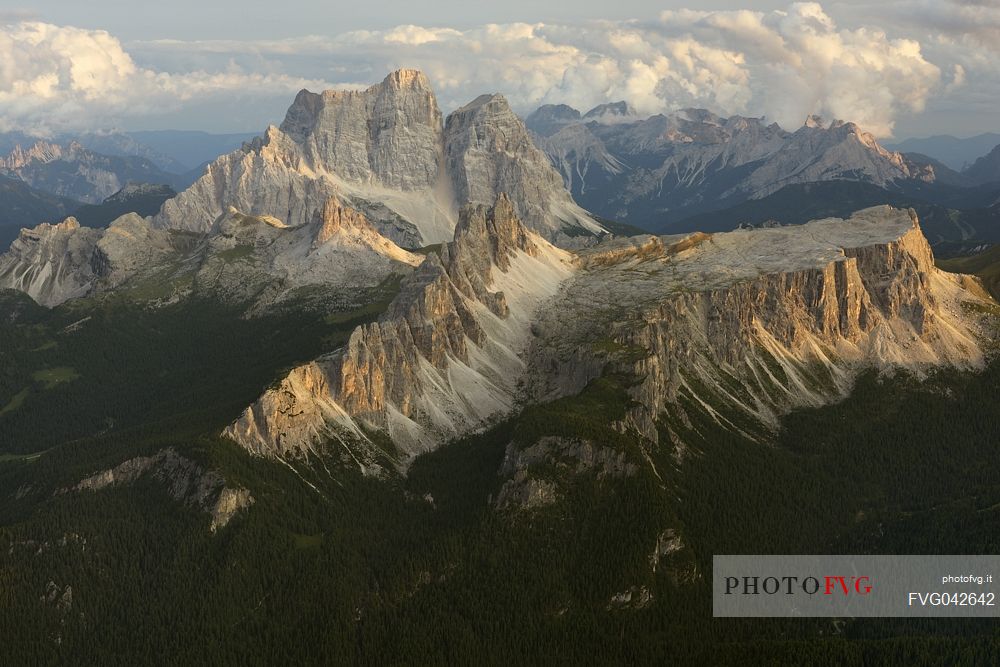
{"x": 899, "y": 68}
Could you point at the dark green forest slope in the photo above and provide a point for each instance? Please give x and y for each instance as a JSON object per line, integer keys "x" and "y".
{"x": 450, "y": 564}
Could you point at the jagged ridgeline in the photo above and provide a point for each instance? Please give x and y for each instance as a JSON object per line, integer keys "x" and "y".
{"x": 657, "y": 172}
{"x": 375, "y": 386}
{"x": 388, "y": 153}
{"x": 384, "y": 153}
{"x": 745, "y": 325}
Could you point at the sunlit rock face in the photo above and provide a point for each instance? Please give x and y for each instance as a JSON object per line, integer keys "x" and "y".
{"x": 488, "y": 150}
{"x": 756, "y": 321}
{"x": 50, "y": 263}
{"x": 386, "y": 152}
{"x": 445, "y": 358}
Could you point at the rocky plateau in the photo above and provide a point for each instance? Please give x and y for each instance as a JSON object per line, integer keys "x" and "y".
{"x": 755, "y": 322}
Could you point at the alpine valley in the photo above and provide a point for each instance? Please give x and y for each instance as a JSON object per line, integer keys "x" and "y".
{"x": 382, "y": 386}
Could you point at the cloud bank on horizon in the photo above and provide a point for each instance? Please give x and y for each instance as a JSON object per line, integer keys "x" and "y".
{"x": 783, "y": 64}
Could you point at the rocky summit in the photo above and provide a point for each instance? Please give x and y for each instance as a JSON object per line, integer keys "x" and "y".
{"x": 387, "y": 152}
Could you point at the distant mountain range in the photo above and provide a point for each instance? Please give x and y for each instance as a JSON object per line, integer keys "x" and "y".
{"x": 73, "y": 171}
{"x": 173, "y": 151}
{"x": 23, "y": 206}
{"x": 667, "y": 172}
{"x": 91, "y": 169}
{"x": 956, "y": 153}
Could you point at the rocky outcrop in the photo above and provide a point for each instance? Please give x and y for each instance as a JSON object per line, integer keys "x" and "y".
{"x": 56, "y": 263}
{"x": 751, "y": 324}
{"x": 247, "y": 260}
{"x": 185, "y": 481}
{"x": 524, "y": 490}
{"x": 383, "y": 151}
{"x": 444, "y": 358}
{"x": 261, "y": 261}
{"x": 51, "y": 263}
{"x": 128, "y": 248}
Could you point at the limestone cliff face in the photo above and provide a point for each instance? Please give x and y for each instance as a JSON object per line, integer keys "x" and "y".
{"x": 127, "y": 248}
{"x": 259, "y": 259}
{"x": 185, "y": 482}
{"x": 56, "y": 263}
{"x": 751, "y": 323}
{"x": 758, "y": 322}
{"x": 382, "y": 151}
{"x": 443, "y": 359}
{"x": 380, "y": 145}
{"x": 262, "y": 178}
{"x": 489, "y": 150}
{"x": 389, "y": 134}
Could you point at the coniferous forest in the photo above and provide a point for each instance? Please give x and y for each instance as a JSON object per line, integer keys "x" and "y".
{"x": 329, "y": 566}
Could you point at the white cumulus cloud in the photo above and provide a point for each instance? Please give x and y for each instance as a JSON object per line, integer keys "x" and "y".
{"x": 57, "y": 77}
{"x": 781, "y": 64}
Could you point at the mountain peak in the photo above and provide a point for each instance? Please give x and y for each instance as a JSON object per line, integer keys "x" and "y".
{"x": 814, "y": 121}
{"x": 548, "y": 119}
{"x": 42, "y": 151}
{"x": 407, "y": 78}
{"x": 336, "y": 218}
{"x": 67, "y": 225}
{"x": 495, "y": 233}
{"x": 494, "y": 100}
{"x": 387, "y": 152}
{"x": 611, "y": 111}
{"x": 488, "y": 151}
{"x": 445, "y": 356}
{"x": 388, "y": 134}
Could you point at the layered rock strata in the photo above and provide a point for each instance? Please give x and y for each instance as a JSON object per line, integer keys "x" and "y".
{"x": 746, "y": 325}
{"x": 756, "y": 323}
{"x": 387, "y": 152}
{"x": 444, "y": 359}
